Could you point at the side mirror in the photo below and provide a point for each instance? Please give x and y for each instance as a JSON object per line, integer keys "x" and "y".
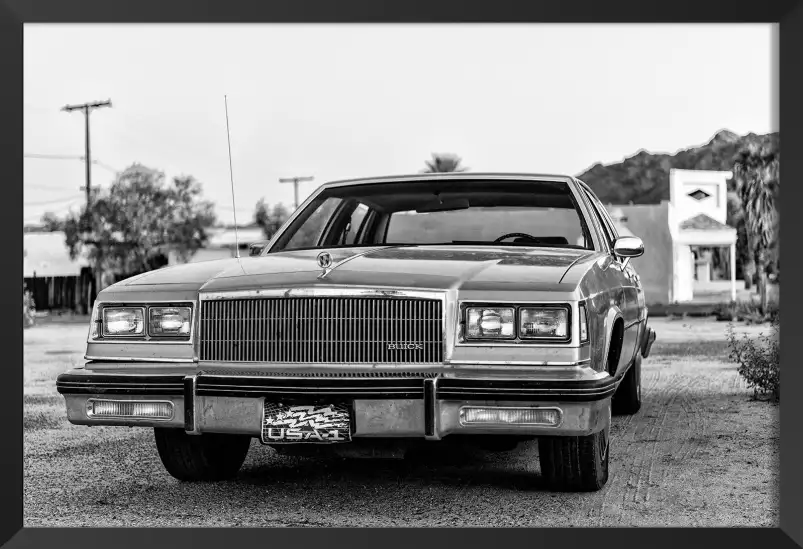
{"x": 628, "y": 247}
{"x": 257, "y": 247}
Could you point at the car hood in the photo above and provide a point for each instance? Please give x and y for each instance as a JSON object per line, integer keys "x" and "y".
{"x": 425, "y": 267}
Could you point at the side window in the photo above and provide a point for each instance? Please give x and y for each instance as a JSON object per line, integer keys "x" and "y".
{"x": 311, "y": 230}
{"x": 606, "y": 217}
{"x": 601, "y": 218}
{"x": 354, "y": 226}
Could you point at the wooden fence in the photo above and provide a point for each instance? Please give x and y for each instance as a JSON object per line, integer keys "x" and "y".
{"x": 63, "y": 293}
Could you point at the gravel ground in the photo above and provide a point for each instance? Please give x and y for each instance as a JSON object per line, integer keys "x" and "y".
{"x": 699, "y": 453}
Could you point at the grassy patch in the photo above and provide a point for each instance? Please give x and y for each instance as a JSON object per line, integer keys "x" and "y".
{"x": 707, "y": 349}
{"x": 40, "y": 400}
{"x": 34, "y": 420}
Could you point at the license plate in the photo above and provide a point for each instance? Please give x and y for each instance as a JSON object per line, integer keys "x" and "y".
{"x": 298, "y": 424}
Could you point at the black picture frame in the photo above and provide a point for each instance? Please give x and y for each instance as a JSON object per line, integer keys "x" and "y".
{"x": 16, "y": 13}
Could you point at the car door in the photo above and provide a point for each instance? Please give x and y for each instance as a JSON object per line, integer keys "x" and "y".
{"x": 629, "y": 285}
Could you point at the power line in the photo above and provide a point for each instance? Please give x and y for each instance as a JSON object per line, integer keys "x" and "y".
{"x": 87, "y": 108}
{"x": 53, "y": 156}
{"x": 295, "y": 181}
{"x": 96, "y": 162}
{"x": 54, "y": 201}
{"x": 42, "y": 187}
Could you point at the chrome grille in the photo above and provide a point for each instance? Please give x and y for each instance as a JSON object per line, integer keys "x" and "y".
{"x": 332, "y": 330}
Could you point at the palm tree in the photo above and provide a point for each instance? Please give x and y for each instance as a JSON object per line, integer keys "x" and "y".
{"x": 756, "y": 171}
{"x": 444, "y": 162}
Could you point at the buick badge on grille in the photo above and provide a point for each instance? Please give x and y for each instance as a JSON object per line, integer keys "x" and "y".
{"x": 405, "y": 346}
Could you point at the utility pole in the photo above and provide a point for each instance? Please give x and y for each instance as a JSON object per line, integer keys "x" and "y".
{"x": 87, "y": 108}
{"x": 295, "y": 181}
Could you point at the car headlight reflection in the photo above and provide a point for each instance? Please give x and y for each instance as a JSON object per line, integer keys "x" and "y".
{"x": 490, "y": 323}
{"x": 169, "y": 321}
{"x": 123, "y": 321}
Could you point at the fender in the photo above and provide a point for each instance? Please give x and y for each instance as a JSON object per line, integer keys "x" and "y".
{"x": 614, "y": 314}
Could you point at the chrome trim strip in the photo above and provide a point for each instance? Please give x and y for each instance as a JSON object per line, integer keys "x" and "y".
{"x": 196, "y": 341}
{"x": 190, "y": 405}
{"x": 327, "y": 271}
{"x": 431, "y": 409}
{"x": 91, "y": 415}
{"x": 485, "y": 423}
{"x": 206, "y": 385}
{"x": 139, "y": 359}
{"x": 520, "y": 362}
{"x": 525, "y": 390}
{"x": 330, "y": 291}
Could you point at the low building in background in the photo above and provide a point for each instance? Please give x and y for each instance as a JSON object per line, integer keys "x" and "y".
{"x": 222, "y": 244}
{"x": 678, "y": 235}
{"x": 56, "y": 282}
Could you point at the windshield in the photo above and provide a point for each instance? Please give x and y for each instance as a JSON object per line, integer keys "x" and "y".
{"x": 464, "y": 212}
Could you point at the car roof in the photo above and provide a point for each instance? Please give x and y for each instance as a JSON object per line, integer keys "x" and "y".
{"x": 446, "y": 176}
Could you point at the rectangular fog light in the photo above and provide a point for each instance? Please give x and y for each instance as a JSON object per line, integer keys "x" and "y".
{"x": 476, "y": 415}
{"x": 129, "y": 409}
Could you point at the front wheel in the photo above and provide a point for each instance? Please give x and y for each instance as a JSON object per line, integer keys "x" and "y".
{"x": 575, "y": 464}
{"x": 206, "y": 457}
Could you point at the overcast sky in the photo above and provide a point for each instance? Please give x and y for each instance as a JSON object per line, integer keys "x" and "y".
{"x": 340, "y": 101}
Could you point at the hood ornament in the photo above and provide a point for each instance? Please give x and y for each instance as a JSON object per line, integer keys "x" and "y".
{"x": 324, "y": 262}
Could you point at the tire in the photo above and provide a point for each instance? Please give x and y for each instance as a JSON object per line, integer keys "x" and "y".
{"x": 207, "y": 457}
{"x": 575, "y": 464}
{"x": 627, "y": 400}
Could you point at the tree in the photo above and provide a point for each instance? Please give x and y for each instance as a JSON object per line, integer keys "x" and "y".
{"x": 756, "y": 171}
{"x": 444, "y": 162}
{"x": 51, "y": 222}
{"x": 270, "y": 219}
{"x": 133, "y": 226}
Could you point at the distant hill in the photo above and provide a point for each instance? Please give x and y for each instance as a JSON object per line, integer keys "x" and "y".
{"x": 644, "y": 177}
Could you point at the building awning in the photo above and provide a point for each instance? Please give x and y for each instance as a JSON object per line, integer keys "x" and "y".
{"x": 702, "y": 222}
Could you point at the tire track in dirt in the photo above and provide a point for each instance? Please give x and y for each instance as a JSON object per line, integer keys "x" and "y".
{"x": 674, "y": 420}
{"x": 632, "y": 477}
{"x": 651, "y": 378}
{"x": 653, "y": 433}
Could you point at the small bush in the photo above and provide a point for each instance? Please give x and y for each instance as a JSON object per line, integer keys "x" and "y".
{"x": 28, "y": 309}
{"x": 759, "y": 360}
{"x": 748, "y": 311}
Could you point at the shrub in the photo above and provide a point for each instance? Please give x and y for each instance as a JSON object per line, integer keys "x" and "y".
{"x": 759, "y": 360}
{"x": 28, "y": 309}
{"x": 748, "y": 311}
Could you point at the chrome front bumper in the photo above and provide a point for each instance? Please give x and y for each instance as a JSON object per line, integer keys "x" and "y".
{"x": 424, "y": 406}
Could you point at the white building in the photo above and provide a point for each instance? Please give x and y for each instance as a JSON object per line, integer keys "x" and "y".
{"x": 694, "y": 216}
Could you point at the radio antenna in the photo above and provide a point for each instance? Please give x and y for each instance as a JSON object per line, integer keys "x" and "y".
{"x": 231, "y": 177}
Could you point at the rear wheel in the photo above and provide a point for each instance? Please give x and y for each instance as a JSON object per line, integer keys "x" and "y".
{"x": 206, "y": 457}
{"x": 627, "y": 399}
{"x": 575, "y": 464}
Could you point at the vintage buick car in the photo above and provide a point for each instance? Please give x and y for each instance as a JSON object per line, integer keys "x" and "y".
{"x": 386, "y": 313}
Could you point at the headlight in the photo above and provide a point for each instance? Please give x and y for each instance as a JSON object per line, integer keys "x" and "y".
{"x": 490, "y": 323}
{"x": 169, "y": 321}
{"x": 123, "y": 321}
{"x": 543, "y": 323}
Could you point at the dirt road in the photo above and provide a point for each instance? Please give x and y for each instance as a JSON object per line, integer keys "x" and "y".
{"x": 699, "y": 453}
